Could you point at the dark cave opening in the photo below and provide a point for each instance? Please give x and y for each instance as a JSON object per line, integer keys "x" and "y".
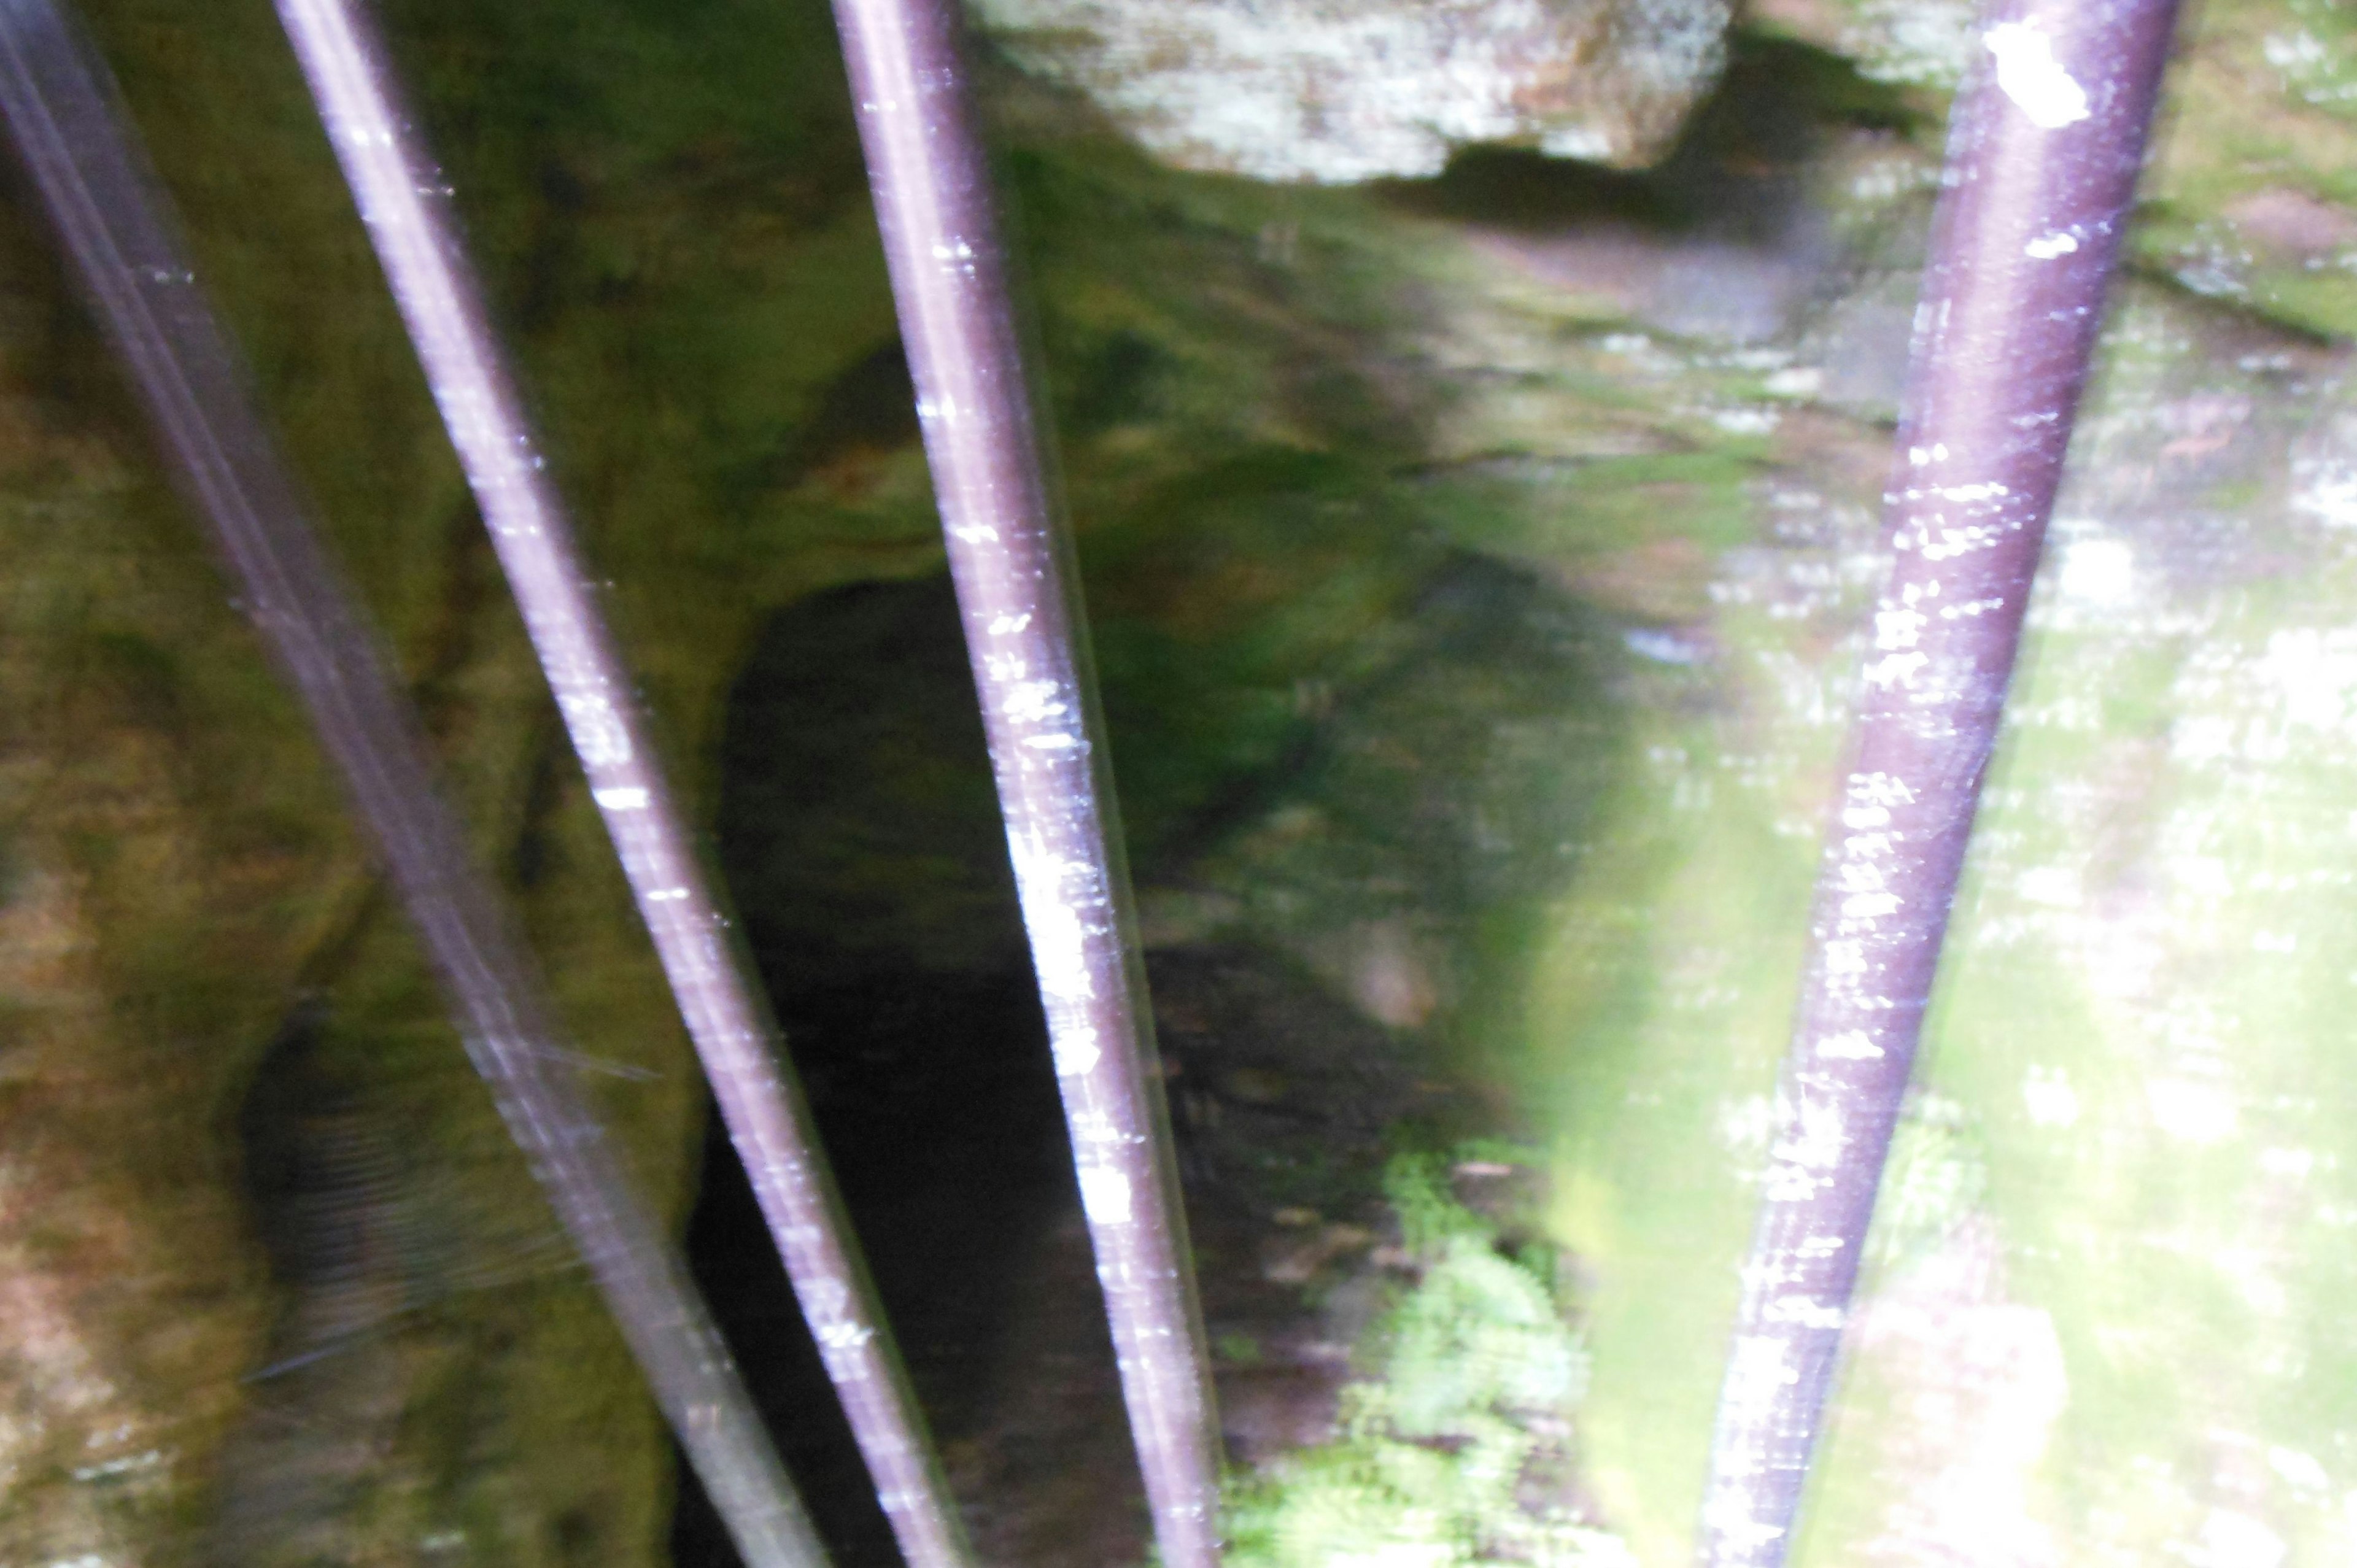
{"x": 858, "y": 830}
{"x": 859, "y": 835}
{"x": 945, "y": 1170}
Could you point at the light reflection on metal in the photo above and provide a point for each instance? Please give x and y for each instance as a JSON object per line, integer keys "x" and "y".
{"x": 1018, "y": 596}
{"x": 63, "y": 115}
{"x": 2043, "y": 155}
{"x": 405, "y": 204}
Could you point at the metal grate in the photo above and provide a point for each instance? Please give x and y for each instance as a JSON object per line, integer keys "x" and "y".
{"x": 2045, "y": 147}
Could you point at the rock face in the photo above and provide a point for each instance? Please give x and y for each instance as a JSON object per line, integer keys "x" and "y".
{"x": 1337, "y": 91}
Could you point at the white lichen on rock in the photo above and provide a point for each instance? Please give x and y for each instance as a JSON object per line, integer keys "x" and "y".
{"x": 1334, "y": 92}
{"x": 1919, "y": 43}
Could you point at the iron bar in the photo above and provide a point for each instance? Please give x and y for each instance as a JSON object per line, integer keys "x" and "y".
{"x": 78, "y": 145}
{"x": 1018, "y": 598}
{"x": 406, "y": 207}
{"x": 2044, "y": 153}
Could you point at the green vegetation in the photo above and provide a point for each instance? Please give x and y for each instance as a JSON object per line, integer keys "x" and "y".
{"x": 1455, "y": 1452}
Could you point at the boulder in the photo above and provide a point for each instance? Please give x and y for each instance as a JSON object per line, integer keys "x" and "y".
{"x": 1337, "y": 91}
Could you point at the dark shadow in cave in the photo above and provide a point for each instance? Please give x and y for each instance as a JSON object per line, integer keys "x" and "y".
{"x": 860, "y": 835}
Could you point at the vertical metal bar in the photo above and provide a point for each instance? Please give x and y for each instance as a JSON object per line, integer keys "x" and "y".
{"x": 406, "y": 207}
{"x": 1017, "y": 595}
{"x": 64, "y": 115}
{"x": 2043, "y": 155}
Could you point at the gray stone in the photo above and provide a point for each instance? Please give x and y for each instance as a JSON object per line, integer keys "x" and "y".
{"x": 1335, "y": 91}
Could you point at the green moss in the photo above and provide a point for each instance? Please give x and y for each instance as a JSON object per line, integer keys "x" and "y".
{"x": 1455, "y": 1451}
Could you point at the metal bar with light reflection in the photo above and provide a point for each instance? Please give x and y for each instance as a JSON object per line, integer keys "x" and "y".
{"x": 1017, "y": 593}
{"x": 406, "y": 207}
{"x": 2043, "y": 153}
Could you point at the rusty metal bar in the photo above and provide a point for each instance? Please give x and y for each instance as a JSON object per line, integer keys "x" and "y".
{"x": 406, "y": 207}
{"x": 1018, "y": 596}
{"x": 64, "y": 117}
{"x": 2044, "y": 153}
